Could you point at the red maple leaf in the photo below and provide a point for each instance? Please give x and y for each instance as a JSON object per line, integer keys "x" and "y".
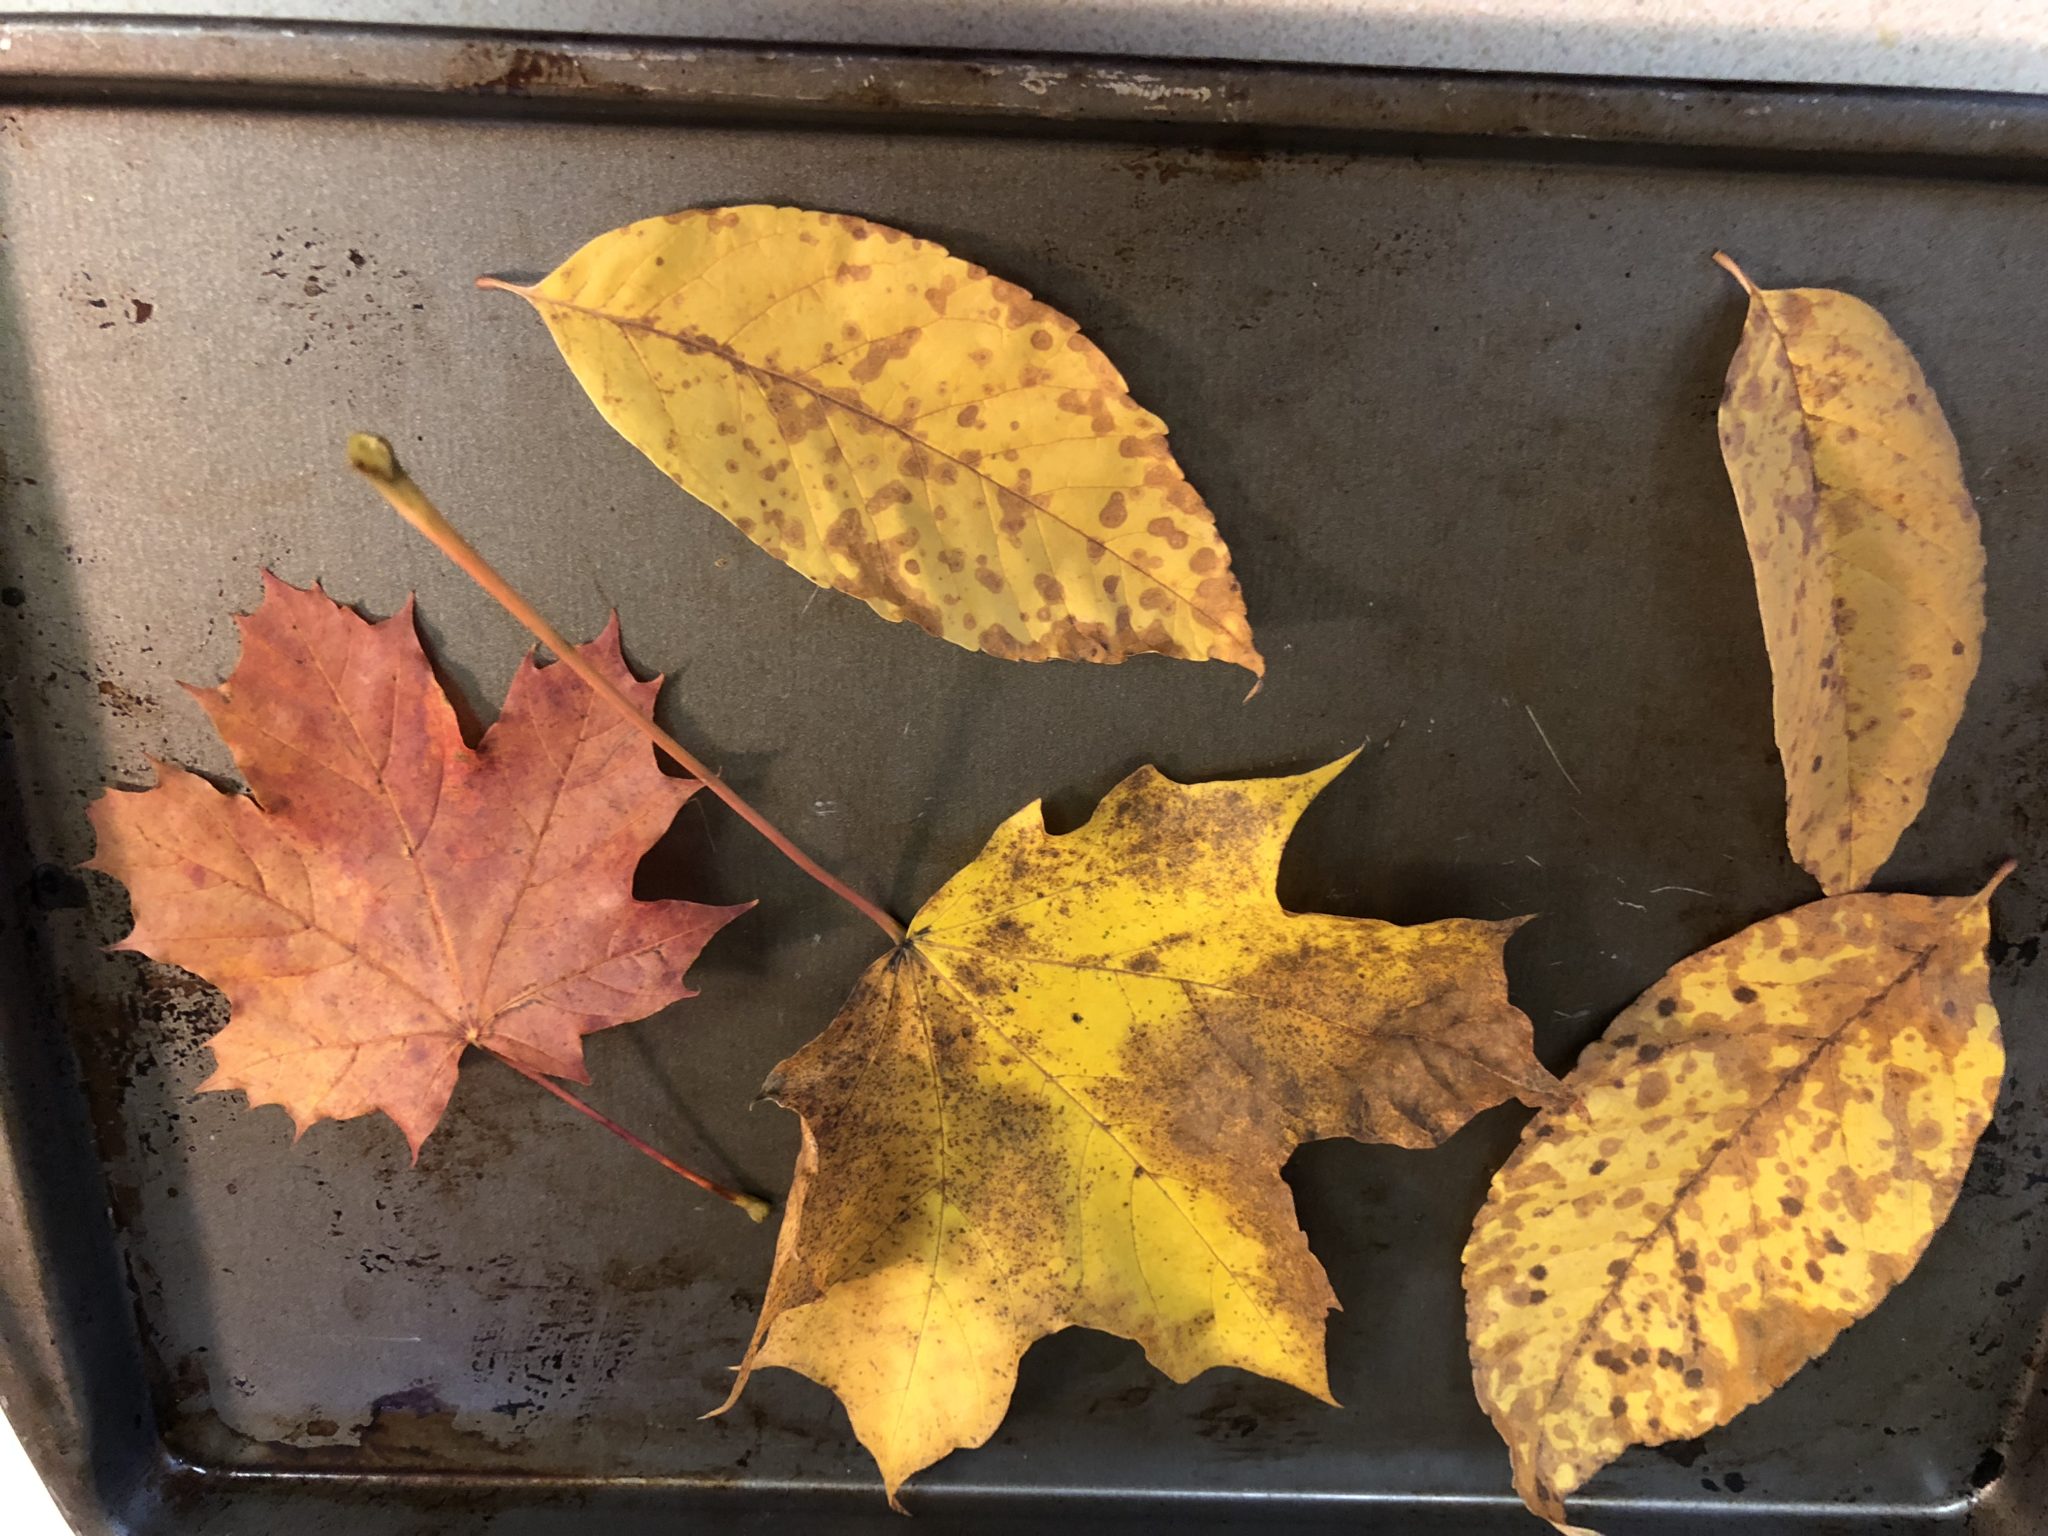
{"x": 386, "y": 896}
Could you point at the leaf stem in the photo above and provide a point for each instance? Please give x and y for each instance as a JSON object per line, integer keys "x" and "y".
{"x": 1998, "y": 879}
{"x": 753, "y": 1205}
{"x": 373, "y": 458}
{"x": 1727, "y": 264}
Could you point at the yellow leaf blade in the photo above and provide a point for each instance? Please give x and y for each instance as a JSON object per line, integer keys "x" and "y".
{"x": 1066, "y": 1101}
{"x": 901, "y": 426}
{"x": 1869, "y": 567}
{"x": 1754, "y": 1154}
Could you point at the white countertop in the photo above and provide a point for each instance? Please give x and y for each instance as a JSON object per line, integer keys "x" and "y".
{"x": 26, "y": 1508}
{"x": 1997, "y": 45}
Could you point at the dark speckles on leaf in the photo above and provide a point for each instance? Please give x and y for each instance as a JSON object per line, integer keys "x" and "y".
{"x": 1744, "y": 1109}
{"x": 841, "y": 353}
{"x": 1115, "y": 1089}
{"x": 1832, "y": 511}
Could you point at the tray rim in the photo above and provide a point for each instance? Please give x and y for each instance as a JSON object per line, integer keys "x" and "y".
{"x": 71, "y": 1357}
{"x": 408, "y": 70}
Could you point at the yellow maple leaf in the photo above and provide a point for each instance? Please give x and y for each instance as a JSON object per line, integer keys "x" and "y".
{"x": 1751, "y": 1158}
{"x": 1067, "y": 1098}
{"x": 1869, "y": 567}
{"x": 901, "y": 426}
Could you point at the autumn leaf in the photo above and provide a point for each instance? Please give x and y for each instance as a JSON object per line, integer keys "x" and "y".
{"x": 386, "y": 897}
{"x": 1066, "y": 1100}
{"x": 899, "y": 425}
{"x": 1869, "y": 567}
{"x": 1754, "y": 1154}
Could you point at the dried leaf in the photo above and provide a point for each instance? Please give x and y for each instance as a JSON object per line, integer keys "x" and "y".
{"x": 1869, "y": 567}
{"x": 899, "y": 425}
{"x": 1066, "y": 1100}
{"x": 386, "y": 896}
{"x": 1756, "y": 1152}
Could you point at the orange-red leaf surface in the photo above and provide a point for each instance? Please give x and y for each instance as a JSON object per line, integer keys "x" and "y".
{"x": 387, "y": 896}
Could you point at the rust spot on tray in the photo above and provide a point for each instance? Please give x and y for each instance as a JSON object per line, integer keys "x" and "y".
{"x": 497, "y": 69}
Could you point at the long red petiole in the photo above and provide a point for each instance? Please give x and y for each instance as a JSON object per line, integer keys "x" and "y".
{"x": 373, "y": 457}
{"x": 753, "y": 1205}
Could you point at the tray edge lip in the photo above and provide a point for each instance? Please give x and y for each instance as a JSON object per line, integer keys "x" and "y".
{"x": 77, "y": 59}
{"x": 404, "y": 70}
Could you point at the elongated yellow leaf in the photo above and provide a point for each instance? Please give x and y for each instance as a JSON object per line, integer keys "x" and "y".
{"x": 899, "y": 425}
{"x": 1755, "y": 1153}
{"x": 1067, "y": 1100}
{"x": 1869, "y": 567}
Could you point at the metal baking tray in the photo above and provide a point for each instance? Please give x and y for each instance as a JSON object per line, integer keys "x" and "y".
{"x": 1443, "y": 353}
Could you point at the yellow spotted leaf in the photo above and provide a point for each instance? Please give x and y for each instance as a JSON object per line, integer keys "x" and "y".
{"x": 1067, "y": 1098}
{"x": 1869, "y": 567}
{"x": 1754, "y": 1154}
{"x": 899, "y": 425}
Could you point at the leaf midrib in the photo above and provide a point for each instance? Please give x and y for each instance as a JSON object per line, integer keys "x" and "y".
{"x": 1836, "y": 702}
{"x": 704, "y": 346}
{"x": 1664, "y": 1223}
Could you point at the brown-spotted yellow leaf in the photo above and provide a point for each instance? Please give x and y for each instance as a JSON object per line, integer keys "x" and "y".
{"x": 1753, "y": 1155}
{"x": 387, "y": 896}
{"x": 1869, "y": 567}
{"x": 897, "y": 424}
{"x": 1066, "y": 1101}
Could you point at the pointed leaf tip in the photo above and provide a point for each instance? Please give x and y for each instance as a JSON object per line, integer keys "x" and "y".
{"x": 1727, "y": 264}
{"x": 1997, "y": 879}
{"x": 1332, "y": 770}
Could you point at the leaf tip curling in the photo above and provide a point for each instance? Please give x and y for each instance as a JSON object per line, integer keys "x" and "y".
{"x": 1727, "y": 264}
{"x": 1997, "y": 879}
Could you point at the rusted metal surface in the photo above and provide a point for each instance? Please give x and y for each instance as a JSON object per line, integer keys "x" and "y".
{"x": 1442, "y": 353}
{"x": 312, "y": 66}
